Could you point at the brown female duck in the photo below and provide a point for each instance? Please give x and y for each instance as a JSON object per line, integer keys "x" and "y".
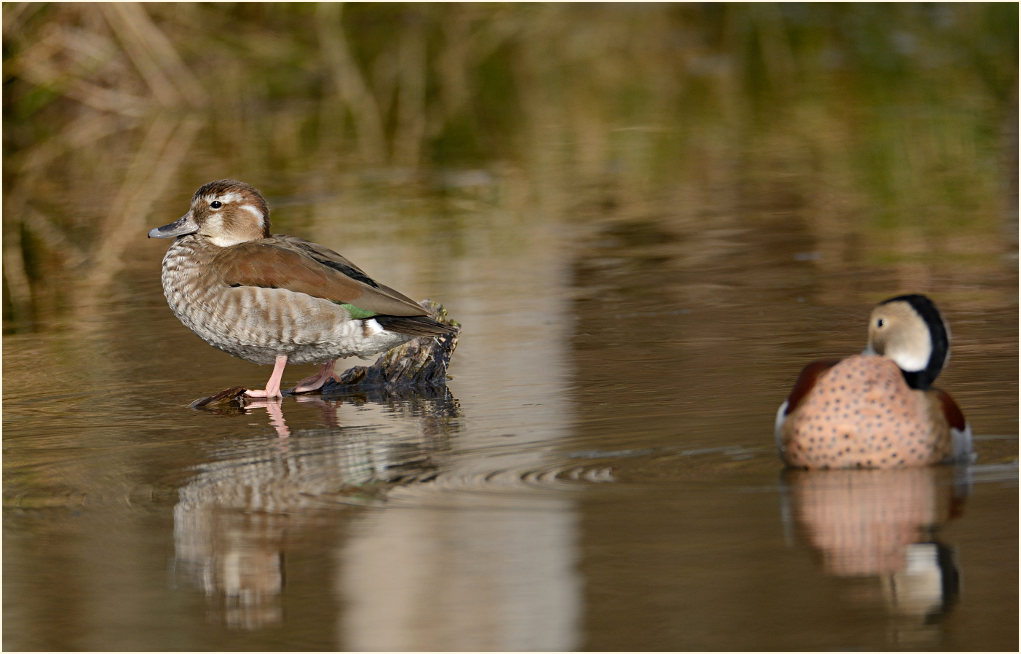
{"x": 276, "y": 299}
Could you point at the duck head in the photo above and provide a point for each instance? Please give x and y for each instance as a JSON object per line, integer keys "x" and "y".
{"x": 225, "y": 212}
{"x": 910, "y": 330}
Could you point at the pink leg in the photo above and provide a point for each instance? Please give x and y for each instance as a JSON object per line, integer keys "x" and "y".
{"x": 273, "y": 385}
{"x": 276, "y": 418}
{"x": 276, "y": 415}
{"x": 315, "y": 382}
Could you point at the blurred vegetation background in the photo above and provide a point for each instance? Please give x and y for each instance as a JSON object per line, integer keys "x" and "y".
{"x": 897, "y": 120}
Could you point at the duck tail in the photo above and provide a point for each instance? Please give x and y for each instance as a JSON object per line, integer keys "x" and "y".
{"x": 414, "y": 325}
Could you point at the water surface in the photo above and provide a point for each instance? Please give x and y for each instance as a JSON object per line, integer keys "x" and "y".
{"x": 642, "y": 257}
{"x": 599, "y": 474}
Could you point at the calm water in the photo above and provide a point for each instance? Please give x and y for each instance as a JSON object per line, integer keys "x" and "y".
{"x": 600, "y": 474}
{"x": 647, "y": 220}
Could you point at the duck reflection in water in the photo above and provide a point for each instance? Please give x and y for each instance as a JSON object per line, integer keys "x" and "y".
{"x": 882, "y": 525}
{"x": 255, "y": 499}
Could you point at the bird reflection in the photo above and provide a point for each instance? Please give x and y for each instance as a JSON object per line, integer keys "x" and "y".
{"x": 882, "y": 525}
{"x": 256, "y": 497}
{"x": 275, "y": 412}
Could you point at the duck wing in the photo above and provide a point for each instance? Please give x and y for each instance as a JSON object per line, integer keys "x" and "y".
{"x": 300, "y": 266}
{"x": 806, "y": 380}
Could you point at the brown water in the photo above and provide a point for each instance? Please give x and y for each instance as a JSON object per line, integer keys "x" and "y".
{"x": 600, "y": 475}
{"x": 643, "y": 256}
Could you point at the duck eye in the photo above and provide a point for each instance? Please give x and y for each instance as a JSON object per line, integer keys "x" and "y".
{"x": 880, "y": 322}
{"x": 215, "y": 204}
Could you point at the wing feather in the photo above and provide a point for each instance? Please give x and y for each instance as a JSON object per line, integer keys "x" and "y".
{"x": 302, "y": 267}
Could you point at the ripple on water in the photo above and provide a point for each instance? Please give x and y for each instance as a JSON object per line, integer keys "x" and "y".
{"x": 509, "y": 478}
{"x": 518, "y": 479}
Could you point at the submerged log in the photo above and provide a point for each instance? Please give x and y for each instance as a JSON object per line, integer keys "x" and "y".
{"x": 419, "y": 363}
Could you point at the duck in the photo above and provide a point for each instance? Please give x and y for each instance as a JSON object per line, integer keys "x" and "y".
{"x": 274, "y": 299}
{"x": 878, "y": 409}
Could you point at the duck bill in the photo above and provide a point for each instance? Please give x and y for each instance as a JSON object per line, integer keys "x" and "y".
{"x": 184, "y": 225}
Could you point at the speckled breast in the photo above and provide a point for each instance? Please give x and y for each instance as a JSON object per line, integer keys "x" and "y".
{"x": 861, "y": 413}
{"x": 258, "y": 324}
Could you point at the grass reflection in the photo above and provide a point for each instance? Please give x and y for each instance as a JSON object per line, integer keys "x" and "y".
{"x": 896, "y": 122}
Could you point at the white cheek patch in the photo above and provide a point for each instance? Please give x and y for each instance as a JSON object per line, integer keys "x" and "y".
{"x": 912, "y": 359}
{"x": 252, "y": 209}
{"x": 213, "y": 230}
{"x": 213, "y": 224}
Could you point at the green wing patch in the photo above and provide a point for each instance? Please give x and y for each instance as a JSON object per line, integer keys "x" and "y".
{"x": 358, "y": 313}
